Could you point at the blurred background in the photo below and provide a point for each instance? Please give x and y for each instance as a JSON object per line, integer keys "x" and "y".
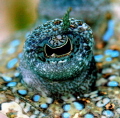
{"x": 16, "y": 15}
{"x": 24, "y": 14}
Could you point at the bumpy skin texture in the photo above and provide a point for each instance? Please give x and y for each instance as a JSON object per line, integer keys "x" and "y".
{"x": 55, "y": 62}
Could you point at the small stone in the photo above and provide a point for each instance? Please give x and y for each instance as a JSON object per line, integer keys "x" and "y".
{"x": 65, "y": 115}
{"x": 112, "y": 77}
{"x": 15, "y": 43}
{"x": 107, "y": 70}
{"x": 20, "y": 55}
{"x": 108, "y": 59}
{"x": 115, "y": 53}
{"x": 78, "y": 105}
{"x": 22, "y": 92}
{"x": 89, "y": 116}
{"x": 12, "y": 84}
{"x": 7, "y": 79}
{"x": 49, "y": 100}
{"x": 108, "y": 113}
{"x": 110, "y": 31}
{"x": 112, "y": 84}
{"x": 36, "y": 98}
{"x": 116, "y": 65}
{"x": 98, "y": 58}
{"x": 67, "y": 107}
{"x": 118, "y": 110}
{"x": 16, "y": 74}
{"x": 108, "y": 52}
{"x": 112, "y": 53}
{"x": 97, "y": 98}
{"x": 12, "y": 63}
{"x": 33, "y": 116}
{"x": 44, "y": 106}
{"x": 11, "y": 50}
{"x": 103, "y": 102}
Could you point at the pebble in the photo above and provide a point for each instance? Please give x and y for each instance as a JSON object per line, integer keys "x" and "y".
{"x": 107, "y": 70}
{"x": 49, "y": 100}
{"x": 112, "y": 77}
{"x": 112, "y": 84}
{"x": 108, "y": 59}
{"x": 103, "y": 102}
{"x": 89, "y": 116}
{"x": 78, "y": 105}
{"x": 12, "y": 84}
{"x": 115, "y": 53}
{"x": 11, "y": 50}
{"x": 27, "y": 108}
{"x": 16, "y": 74}
{"x": 116, "y": 66}
{"x": 112, "y": 53}
{"x": 12, "y": 63}
{"x": 67, "y": 107}
{"x": 36, "y": 98}
{"x": 110, "y": 31}
{"x": 97, "y": 98}
{"x": 118, "y": 110}
{"x": 98, "y": 58}
{"x": 65, "y": 115}
{"x": 33, "y": 116}
{"x": 7, "y": 79}
{"x": 108, "y": 52}
{"x": 15, "y": 43}
{"x": 44, "y": 106}
{"x": 20, "y": 55}
{"x": 22, "y": 92}
{"x": 108, "y": 113}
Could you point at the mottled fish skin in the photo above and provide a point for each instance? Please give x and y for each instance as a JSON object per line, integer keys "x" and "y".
{"x": 56, "y": 62}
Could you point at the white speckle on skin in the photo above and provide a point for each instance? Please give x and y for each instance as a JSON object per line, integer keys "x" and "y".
{"x": 59, "y": 37}
{"x": 84, "y": 26}
{"x": 61, "y": 61}
{"x": 53, "y": 62}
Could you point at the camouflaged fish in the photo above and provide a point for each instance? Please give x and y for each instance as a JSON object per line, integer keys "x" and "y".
{"x": 58, "y": 58}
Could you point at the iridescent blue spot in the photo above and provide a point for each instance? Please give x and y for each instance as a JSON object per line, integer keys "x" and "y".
{"x": 66, "y": 107}
{"x": 115, "y": 53}
{"x": 78, "y": 105}
{"x": 15, "y": 42}
{"x": 36, "y": 98}
{"x": 98, "y": 58}
{"x": 108, "y": 113}
{"x": 44, "y": 106}
{"x": 110, "y": 31}
{"x": 12, "y": 84}
{"x": 7, "y": 79}
{"x": 11, "y": 50}
{"x": 22, "y": 92}
{"x": 12, "y": 63}
{"x": 65, "y": 115}
{"x": 89, "y": 116}
{"x": 108, "y": 59}
{"x": 112, "y": 84}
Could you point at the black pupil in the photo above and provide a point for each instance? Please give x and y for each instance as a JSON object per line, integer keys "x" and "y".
{"x": 58, "y": 51}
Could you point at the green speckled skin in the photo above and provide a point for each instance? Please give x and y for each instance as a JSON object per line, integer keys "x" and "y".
{"x": 57, "y": 62}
